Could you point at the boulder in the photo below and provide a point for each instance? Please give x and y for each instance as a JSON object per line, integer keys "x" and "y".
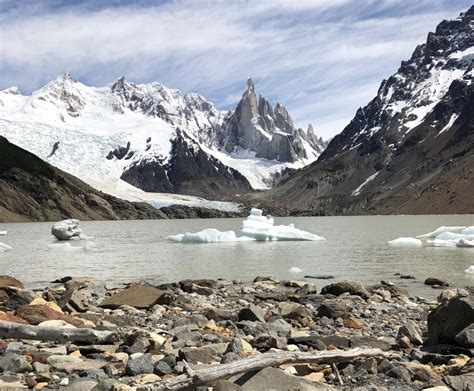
{"x": 136, "y": 295}
{"x": 276, "y": 379}
{"x": 66, "y": 229}
{"x": 142, "y": 364}
{"x": 411, "y": 331}
{"x": 219, "y": 314}
{"x": 8, "y": 281}
{"x": 290, "y": 310}
{"x": 346, "y": 286}
{"x": 12, "y": 362}
{"x": 206, "y": 354}
{"x": 252, "y": 313}
{"x": 465, "y": 337}
{"x": 75, "y": 299}
{"x": 334, "y": 308}
{"x": 36, "y": 314}
{"x": 449, "y": 319}
{"x": 436, "y": 281}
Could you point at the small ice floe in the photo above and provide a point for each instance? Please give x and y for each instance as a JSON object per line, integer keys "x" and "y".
{"x": 5, "y": 247}
{"x": 441, "y": 242}
{"x": 406, "y": 242}
{"x": 468, "y": 230}
{"x": 68, "y": 229}
{"x": 261, "y": 227}
{"x": 295, "y": 270}
{"x": 441, "y": 230}
{"x": 470, "y": 270}
{"x": 254, "y": 227}
{"x": 68, "y": 248}
{"x": 3, "y": 232}
{"x": 209, "y": 235}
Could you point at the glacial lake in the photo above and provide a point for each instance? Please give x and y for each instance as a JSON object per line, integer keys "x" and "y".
{"x": 356, "y": 248}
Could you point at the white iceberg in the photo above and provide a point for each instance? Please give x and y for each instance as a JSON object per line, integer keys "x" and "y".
{"x": 454, "y": 235}
{"x": 442, "y": 242}
{"x": 261, "y": 228}
{"x": 406, "y": 242}
{"x": 468, "y": 230}
{"x": 470, "y": 270}
{"x": 440, "y": 230}
{"x": 67, "y": 247}
{"x": 254, "y": 227}
{"x": 3, "y": 232}
{"x": 209, "y": 235}
{"x": 5, "y": 247}
{"x": 68, "y": 229}
{"x": 295, "y": 270}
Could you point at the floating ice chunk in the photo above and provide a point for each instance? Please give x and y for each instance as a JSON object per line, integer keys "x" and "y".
{"x": 470, "y": 270}
{"x": 295, "y": 269}
{"x": 454, "y": 235}
{"x": 5, "y": 247}
{"x": 261, "y": 228}
{"x": 468, "y": 230}
{"x": 465, "y": 243}
{"x": 440, "y": 230}
{"x": 442, "y": 243}
{"x": 209, "y": 235}
{"x": 66, "y": 229}
{"x": 67, "y": 247}
{"x": 406, "y": 242}
{"x": 3, "y": 232}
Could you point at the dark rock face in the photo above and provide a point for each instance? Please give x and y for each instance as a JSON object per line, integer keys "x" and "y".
{"x": 189, "y": 171}
{"x": 449, "y": 319}
{"x": 257, "y": 127}
{"x": 410, "y": 149}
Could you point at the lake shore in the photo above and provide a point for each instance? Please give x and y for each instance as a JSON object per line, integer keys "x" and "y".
{"x": 336, "y": 335}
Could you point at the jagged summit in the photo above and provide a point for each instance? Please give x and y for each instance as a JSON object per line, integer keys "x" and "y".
{"x": 269, "y": 132}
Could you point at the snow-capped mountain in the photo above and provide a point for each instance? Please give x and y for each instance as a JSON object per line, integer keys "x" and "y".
{"x": 125, "y": 136}
{"x": 411, "y": 149}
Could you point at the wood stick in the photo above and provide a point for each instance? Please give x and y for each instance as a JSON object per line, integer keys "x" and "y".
{"x": 208, "y": 376}
{"x": 24, "y": 331}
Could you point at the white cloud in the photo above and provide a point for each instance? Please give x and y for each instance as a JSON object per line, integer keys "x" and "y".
{"x": 322, "y": 59}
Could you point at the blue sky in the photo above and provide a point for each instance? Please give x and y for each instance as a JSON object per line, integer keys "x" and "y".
{"x": 321, "y": 59}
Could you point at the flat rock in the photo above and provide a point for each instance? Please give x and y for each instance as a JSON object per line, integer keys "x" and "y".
{"x": 137, "y": 295}
{"x": 275, "y": 379}
{"x": 6, "y": 317}
{"x": 252, "y": 313}
{"x": 205, "y": 354}
{"x": 9, "y": 281}
{"x": 346, "y": 286}
{"x": 70, "y": 363}
{"x": 36, "y": 314}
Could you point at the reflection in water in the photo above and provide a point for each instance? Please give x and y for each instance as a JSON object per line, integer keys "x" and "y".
{"x": 356, "y": 248}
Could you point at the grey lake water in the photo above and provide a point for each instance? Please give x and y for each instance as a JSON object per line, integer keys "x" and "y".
{"x": 356, "y": 248}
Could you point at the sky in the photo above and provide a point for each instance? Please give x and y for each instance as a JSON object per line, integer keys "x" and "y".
{"x": 322, "y": 59}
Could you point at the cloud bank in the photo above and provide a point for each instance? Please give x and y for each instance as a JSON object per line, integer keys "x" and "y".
{"x": 321, "y": 59}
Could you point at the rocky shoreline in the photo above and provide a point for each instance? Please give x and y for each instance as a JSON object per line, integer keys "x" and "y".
{"x": 266, "y": 334}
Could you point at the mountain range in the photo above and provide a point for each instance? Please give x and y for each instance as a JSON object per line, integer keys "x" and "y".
{"x": 409, "y": 150}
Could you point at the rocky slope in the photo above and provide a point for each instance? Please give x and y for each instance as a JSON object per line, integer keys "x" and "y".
{"x": 153, "y": 138}
{"x": 411, "y": 149}
{"x": 33, "y": 190}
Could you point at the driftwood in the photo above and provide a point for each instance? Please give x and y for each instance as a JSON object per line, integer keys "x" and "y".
{"x": 208, "y": 376}
{"x": 25, "y": 331}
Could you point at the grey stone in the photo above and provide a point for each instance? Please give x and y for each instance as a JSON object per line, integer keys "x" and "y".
{"x": 264, "y": 342}
{"x": 139, "y": 365}
{"x": 163, "y": 368}
{"x": 12, "y": 362}
{"x": 465, "y": 337}
{"x": 436, "y": 281}
{"x": 411, "y": 331}
{"x": 346, "y": 286}
{"x": 401, "y": 373}
{"x": 205, "y": 354}
{"x": 252, "y": 313}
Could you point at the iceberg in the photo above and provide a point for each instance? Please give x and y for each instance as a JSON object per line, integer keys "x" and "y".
{"x": 440, "y": 230}
{"x": 468, "y": 230}
{"x": 67, "y": 248}
{"x": 209, "y": 235}
{"x": 406, "y": 242}
{"x": 262, "y": 228}
{"x": 254, "y": 227}
{"x": 470, "y": 270}
{"x": 454, "y": 235}
{"x": 5, "y": 247}
{"x": 295, "y": 269}
{"x": 68, "y": 229}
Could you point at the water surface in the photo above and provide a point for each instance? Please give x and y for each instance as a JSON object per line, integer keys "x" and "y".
{"x": 356, "y": 248}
